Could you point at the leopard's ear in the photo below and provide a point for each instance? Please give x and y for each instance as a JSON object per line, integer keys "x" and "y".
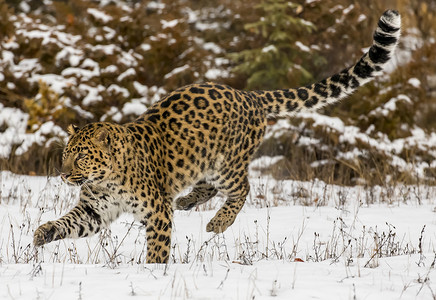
{"x": 72, "y": 129}
{"x": 103, "y": 137}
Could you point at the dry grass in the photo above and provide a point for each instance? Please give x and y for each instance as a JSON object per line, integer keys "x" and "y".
{"x": 112, "y": 250}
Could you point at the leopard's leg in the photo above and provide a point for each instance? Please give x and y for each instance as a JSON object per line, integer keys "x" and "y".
{"x": 94, "y": 211}
{"x": 157, "y": 217}
{"x": 201, "y": 193}
{"x": 236, "y": 189}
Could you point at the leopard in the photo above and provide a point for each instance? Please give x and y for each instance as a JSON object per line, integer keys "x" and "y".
{"x": 200, "y": 137}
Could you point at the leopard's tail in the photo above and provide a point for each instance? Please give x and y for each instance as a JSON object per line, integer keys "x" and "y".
{"x": 332, "y": 89}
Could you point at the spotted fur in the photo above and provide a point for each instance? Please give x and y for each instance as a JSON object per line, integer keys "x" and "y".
{"x": 200, "y": 136}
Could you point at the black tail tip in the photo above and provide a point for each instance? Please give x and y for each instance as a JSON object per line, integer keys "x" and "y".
{"x": 390, "y": 22}
{"x": 392, "y": 17}
{"x": 391, "y": 13}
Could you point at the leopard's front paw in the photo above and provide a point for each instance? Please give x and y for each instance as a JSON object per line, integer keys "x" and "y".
{"x": 45, "y": 234}
{"x": 219, "y": 223}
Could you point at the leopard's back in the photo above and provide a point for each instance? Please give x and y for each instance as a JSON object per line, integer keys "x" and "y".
{"x": 205, "y": 130}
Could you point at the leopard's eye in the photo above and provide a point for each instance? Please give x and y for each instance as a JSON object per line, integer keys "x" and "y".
{"x": 81, "y": 155}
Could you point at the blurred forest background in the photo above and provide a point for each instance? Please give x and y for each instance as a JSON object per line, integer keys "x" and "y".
{"x": 64, "y": 62}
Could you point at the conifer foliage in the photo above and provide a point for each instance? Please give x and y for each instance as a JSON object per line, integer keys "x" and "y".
{"x": 273, "y": 59}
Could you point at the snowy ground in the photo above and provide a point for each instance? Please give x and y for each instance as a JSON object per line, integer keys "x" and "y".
{"x": 293, "y": 240}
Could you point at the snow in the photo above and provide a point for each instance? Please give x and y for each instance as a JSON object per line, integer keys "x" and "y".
{"x": 48, "y": 35}
{"x": 321, "y": 120}
{"x": 202, "y": 26}
{"x": 113, "y": 113}
{"x": 307, "y": 23}
{"x": 92, "y": 94}
{"x": 15, "y": 133}
{"x": 280, "y": 246}
{"x": 10, "y": 44}
{"x": 116, "y": 89}
{"x": 99, "y": 15}
{"x": 140, "y": 88}
{"x": 282, "y": 126}
{"x": 262, "y": 162}
{"x": 73, "y": 55}
{"x": 135, "y": 107}
{"x": 24, "y": 6}
{"x": 361, "y": 18}
{"x": 126, "y": 18}
{"x": 106, "y": 49}
{"x": 24, "y": 67}
{"x": 128, "y": 73}
{"x": 155, "y": 5}
{"x": 56, "y": 83}
{"x": 16, "y": 136}
{"x": 110, "y": 33}
{"x": 109, "y": 69}
{"x": 169, "y": 24}
{"x": 352, "y": 136}
{"x": 176, "y": 71}
{"x": 157, "y": 92}
{"x": 89, "y": 63}
{"x": 128, "y": 59}
{"x": 302, "y": 46}
{"x": 348, "y": 9}
{"x": 213, "y": 47}
{"x": 390, "y": 106}
{"x": 83, "y": 113}
{"x": 415, "y": 82}
{"x": 351, "y": 155}
{"x": 335, "y": 8}
{"x": 83, "y": 74}
{"x": 214, "y": 73}
{"x": 145, "y": 47}
{"x": 269, "y": 48}
{"x": 8, "y": 57}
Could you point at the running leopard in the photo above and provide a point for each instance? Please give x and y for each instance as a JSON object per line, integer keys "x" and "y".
{"x": 200, "y": 136}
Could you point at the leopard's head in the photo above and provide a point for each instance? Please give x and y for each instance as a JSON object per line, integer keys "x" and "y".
{"x": 88, "y": 157}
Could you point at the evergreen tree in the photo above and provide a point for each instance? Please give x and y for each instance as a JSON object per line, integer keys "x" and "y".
{"x": 275, "y": 58}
